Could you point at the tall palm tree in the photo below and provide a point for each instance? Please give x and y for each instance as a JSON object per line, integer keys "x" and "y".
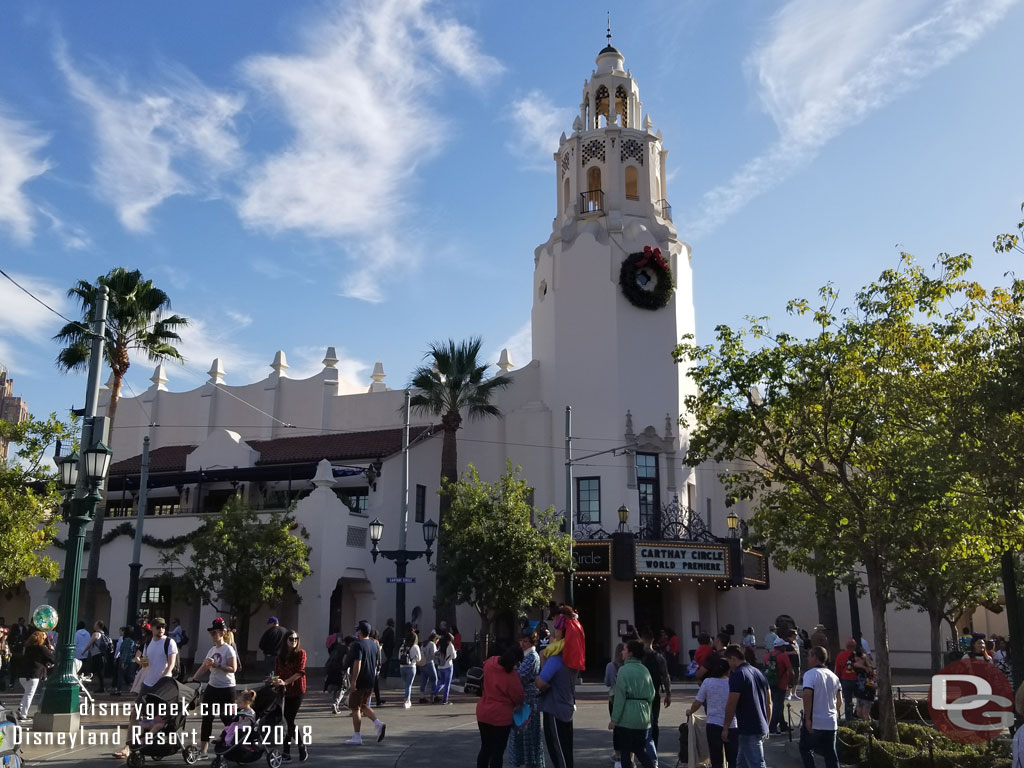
{"x": 454, "y": 382}
{"x": 135, "y": 321}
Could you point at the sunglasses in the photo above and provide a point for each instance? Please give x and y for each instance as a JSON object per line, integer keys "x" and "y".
{"x": 293, "y": 639}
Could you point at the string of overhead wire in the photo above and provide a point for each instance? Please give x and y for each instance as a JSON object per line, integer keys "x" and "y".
{"x": 184, "y": 367}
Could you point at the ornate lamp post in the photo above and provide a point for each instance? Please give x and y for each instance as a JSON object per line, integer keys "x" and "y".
{"x": 402, "y": 558}
{"x": 623, "y": 517}
{"x": 734, "y": 522}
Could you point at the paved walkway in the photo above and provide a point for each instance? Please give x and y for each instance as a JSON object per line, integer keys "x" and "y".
{"x": 423, "y": 736}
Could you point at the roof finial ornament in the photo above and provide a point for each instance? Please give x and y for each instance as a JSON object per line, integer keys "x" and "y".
{"x": 609, "y": 35}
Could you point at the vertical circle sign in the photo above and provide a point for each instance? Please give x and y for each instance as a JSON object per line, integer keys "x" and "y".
{"x": 971, "y": 701}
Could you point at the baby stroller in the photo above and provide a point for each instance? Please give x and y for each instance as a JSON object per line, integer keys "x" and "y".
{"x": 10, "y": 751}
{"x": 474, "y": 681}
{"x": 247, "y": 739}
{"x": 171, "y": 701}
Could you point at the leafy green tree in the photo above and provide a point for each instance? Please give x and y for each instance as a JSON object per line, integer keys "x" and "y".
{"x": 238, "y": 561}
{"x": 453, "y": 384}
{"x": 29, "y": 500}
{"x": 500, "y": 553}
{"x": 136, "y": 321}
{"x": 854, "y": 445}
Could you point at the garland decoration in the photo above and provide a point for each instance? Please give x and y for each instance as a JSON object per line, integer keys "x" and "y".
{"x": 127, "y": 529}
{"x": 646, "y": 279}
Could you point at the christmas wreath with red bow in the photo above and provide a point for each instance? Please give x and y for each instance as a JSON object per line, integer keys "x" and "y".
{"x": 646, "y": 279}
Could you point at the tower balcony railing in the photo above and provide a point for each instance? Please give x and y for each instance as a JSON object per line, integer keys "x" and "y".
{"x": 591, "y": 201}
{"x": 664, "y": 209}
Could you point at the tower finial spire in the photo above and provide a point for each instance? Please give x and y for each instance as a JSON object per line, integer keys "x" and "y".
{"x": 609, "y": 35}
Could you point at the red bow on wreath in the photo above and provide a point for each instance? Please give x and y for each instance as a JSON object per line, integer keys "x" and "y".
{"x": 649, "y": 254}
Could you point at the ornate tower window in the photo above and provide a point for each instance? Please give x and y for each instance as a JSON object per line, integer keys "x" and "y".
{"x": 622, "y": 106}
{"x": 648, "y": 491}
{"x": 601, "y": 105}
{"x": 632, "y": 183}
{"x": 565, "y": 194}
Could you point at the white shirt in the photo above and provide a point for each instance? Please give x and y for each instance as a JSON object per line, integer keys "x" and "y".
{"x": 825, "y": 685}
{"x": 82, "y": 638}
{"x": 429, "y": 651}
{"x": 157, "y": 659}
{"x": 414, "y": 656}
{"x": 221, "y": 656}
{"x": 714, "y": 695}
{"x": 448, "y": 658}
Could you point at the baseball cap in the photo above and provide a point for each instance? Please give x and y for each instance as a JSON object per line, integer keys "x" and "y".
{"x": 157, "y": 622}
{"x": 273, "y": 620}
{"x": 364, "y": 627}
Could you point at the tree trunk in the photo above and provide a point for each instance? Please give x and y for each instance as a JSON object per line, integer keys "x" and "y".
{"x": 445, "y": 610}
{"x": 96, "y": 537}
{"x": 828, "y": 613}
{"x": 935, "y": 618}
{"x": 1011, "y": 593}
{"x": 884, "y": 699}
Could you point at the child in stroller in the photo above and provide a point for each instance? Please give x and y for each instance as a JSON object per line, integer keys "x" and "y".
{"x": 160, "y": 731}
{"x": 10, "y": 751}
{"x": 256, "y": 730}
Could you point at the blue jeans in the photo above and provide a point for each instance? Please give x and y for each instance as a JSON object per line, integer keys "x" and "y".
{"x": 428, "y": 678}
{"x": 822, "y": 742}
{"x": 408, "y": 675}
{"x": 749, "y": 750}
{"x": 444, "y": 683}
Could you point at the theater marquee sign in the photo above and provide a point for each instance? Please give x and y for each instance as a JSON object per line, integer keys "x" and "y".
{"x": 703, "y": 561}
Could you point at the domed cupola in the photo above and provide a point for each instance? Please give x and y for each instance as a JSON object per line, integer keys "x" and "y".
{"x": 613, "y": 161}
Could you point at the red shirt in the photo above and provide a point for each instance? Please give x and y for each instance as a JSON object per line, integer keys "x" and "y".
{"x": 285, "y": 669}
{"x": 701, "y": 655}
{"x": 782, "y": 663}
{"x": 502, "y": 695}
{"x": 673, "y": 644}
{"x": 841, "y": 670}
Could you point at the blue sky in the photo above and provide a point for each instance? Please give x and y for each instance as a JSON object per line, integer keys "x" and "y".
{"x": 376, "y": 175}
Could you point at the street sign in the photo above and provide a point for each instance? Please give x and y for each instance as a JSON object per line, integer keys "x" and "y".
{"x": 401, "y": 579}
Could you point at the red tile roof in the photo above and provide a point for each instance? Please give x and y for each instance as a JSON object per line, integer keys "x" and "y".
{"x": 344, "y": 446}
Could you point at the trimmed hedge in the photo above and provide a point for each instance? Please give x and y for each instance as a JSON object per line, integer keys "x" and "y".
{"x": 912, "y": 751}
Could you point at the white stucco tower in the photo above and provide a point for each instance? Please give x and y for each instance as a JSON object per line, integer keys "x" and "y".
{"x": 599, "y": 352}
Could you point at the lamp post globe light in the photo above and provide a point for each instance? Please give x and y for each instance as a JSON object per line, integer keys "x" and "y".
{"x": 623, "y": 517}
{"x": 401, "y": 558}
{"x": 733, "y": 521}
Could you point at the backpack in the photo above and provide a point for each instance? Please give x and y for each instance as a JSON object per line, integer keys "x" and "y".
{"x": 105, "y": 644}
{"x": 771, "y": 669}
{"x": 336, "y": 660}
{"x": 654, "y": 668}
{"x": 403, "y": 655}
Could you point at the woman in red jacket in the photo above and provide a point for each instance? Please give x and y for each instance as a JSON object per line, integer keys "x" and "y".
{"x": 502, "y": 695}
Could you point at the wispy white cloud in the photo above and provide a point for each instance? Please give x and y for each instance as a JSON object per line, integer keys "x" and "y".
{"x": 25, "y": 321}
{"x": 826, "y": 65}
{"x": 207, "y": 338}
{"x": 538, "y": 124}
{"x": 171, "y": 137}
{"x": 72, "y": 236}
{"x": 20, "y": 144}
{"x": 240, "y": 319}
{"x": 307, "y": 361}
{"x": 360, "y": 99}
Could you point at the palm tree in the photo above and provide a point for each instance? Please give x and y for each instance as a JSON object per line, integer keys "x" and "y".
{"x": 135, "y": 321}
{"x": 454, "y": 383}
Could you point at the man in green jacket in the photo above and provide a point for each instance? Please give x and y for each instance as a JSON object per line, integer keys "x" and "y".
{"x": 631, "y": 710}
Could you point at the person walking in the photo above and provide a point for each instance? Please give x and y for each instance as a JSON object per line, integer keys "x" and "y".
{"x": 778, "y": 671}
{"x": 770, "y": 637}
{"x": 446, "y": 655}
{"x": 823, "y": 701}
{"x": 158, "y": 659}
{"x": 290, "y": 672}
{"x": 866, "y": 685}
{"x": 5, "y": 657}
{"x": 388, "y": 640}
{"x": 557, "y": 704}
{"x": 428, "y": 676}
{"x": 658, "y": 669}
{"x": 631, "y": 708}
{"x": 502, "y": 694}
{"x": 218, "y": 670}
{"x": 713, "y": 694}
{"x": 336, "y": 678}
{"x": 380, "y": 665}
{"x": 526, "y": 747}
{"x": 37, "y": 660}
{"x": 611, "y": 674}
{"x": 97, "y": 650}
{"x": 749, "y": 702}
{"x": 124, "y": 660}
{"x": 271, "y": 643}
{"x": 848, "y": 677}
{"x": 408, "y": 659}
{"x": 364, "y": 656}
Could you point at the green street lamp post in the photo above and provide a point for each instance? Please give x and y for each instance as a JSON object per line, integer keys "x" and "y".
{"x": 82, "y": 477}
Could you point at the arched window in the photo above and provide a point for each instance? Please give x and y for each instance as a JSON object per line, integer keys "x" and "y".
{"x": 567, "y": 201}
{"x": 601, "y": 106}
{"x": 593, "y": 179}
{"x": 586, "y": 112}
{"x": 632, "y": 183}
{"x": 622, "y": 106}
